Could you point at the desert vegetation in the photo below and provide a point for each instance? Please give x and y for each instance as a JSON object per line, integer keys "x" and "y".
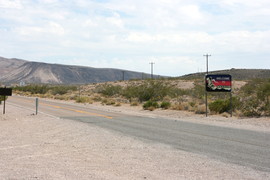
{"x": 252, "y": 99}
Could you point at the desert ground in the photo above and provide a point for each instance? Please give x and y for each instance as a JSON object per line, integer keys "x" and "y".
{"x": 46, "y": 147}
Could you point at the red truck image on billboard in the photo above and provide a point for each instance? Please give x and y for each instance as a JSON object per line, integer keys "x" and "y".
{"x": 218, "y": 83}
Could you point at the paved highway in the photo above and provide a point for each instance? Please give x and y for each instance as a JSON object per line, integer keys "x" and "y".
{"x": 242, "y": 147}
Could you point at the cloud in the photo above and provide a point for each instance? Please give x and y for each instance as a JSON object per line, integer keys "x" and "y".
{"x": 132, "y": 32}
{"x": 51, "y": 28}
{"x": 11, "y": 4}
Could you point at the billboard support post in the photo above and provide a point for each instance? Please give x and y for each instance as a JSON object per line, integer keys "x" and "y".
{"x": 231, "y": 107}
{"x": 206, "y": 103}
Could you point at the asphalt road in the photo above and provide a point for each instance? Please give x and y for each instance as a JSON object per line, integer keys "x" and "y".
{"x": 242, "y": 147}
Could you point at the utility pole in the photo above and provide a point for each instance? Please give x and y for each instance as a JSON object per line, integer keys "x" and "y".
{"x": 206, "y": 103}
{"x": 152, "y": 63}
{"x": 123, "y": 75}
{"x": 207, "y": 55}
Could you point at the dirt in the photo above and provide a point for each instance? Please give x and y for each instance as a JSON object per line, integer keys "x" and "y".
{"x": 46, "y": 147}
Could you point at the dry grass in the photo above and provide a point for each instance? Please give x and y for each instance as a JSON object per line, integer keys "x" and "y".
{"x": 200, "y": 109}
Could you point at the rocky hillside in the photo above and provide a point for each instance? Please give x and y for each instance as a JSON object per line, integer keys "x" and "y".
{"x": 16, "y": 71}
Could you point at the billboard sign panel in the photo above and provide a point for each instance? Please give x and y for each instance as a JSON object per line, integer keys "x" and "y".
{"x": 5, "y": 91}
{"x": 218, "y": 83}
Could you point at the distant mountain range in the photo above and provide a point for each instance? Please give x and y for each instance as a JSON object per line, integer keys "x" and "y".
{"x": 17, "y": 70}
{"x": 237, "y": 74}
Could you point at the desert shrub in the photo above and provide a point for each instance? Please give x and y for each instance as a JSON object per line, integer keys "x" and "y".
{"x": 149, "y": 90}
{"x": 61, "y": 97}
{"x": 117, "y": 104}
{"x": 263, "y": 92}
{"x": 198, "y": 90}
{"x": 251, "y": 107}
{"x": 33, "y": 89}
{"x": 83, "y": 99}
{"x": 62, "y": 89}
{"x": 108, "y": 90}
{"x": 150, "y": 105}
{"x": 43, "y": 89}
{"x": 186, "y": 106}
{"x": 200, "y": 109}
{"x": 177, "y": 106}
{"x": 255, "y": 98}
{"x": 176, "y": 92}
{"x": 165, "y": 105}
{"x": 219, "y": 106}
{"x": 134, "y": 103}
{"x": 106, "y": 101}
{"x": 192, "y": 104}
{"x": 250, "y": 87}
{"x": 97, "y": 98}
{"x": 131, "y": 92}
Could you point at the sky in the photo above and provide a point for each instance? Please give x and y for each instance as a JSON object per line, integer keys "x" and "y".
{"x": 129, "y": 34}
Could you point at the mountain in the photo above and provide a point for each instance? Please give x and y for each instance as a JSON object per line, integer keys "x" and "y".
{"x": 237, "y": 74}
{"x": 16, "y": 71}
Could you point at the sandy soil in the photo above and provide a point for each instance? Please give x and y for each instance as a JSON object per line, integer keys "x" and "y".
{"x": 44, "y": 147}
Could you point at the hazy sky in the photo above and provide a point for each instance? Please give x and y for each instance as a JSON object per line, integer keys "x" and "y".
{"x": 128, "y": 34}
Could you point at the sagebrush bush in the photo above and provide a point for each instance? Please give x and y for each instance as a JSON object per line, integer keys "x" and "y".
{"x": 33, "y": 89}
{"x": 224, "y": 105}
{"x": 149, "y": 90}
{"x": 134, "y": 103}
{"x": 177, "y": 106}
{"x": 198, "y": 90}
{"x": 109, "y": 90}
{"x": 150, "y": 105}
{"x": 43, "y": 89}
{"x": 200, "y": 109}
{"x": 165, "y": 105}
{"x": 250, "y": 107}
{"x": 84, "y": 99}
{"x": 107, "y": 101}
{"x": 62, "y": 89}
{"x": 255, "y": 98}
{"x": 219, "y": 106}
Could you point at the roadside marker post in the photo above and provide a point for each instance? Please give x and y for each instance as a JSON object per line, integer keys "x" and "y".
{"x": 4, "y": 107}
{"x": 36, "y": 106}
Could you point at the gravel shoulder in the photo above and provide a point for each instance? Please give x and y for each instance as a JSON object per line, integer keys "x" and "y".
{"x": 45, "y": 147}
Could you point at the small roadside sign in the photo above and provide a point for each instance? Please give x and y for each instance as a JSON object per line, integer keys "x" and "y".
{"x": 5, "y": 92}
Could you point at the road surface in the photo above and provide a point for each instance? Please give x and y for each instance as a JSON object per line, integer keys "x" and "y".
{"x": 237, "y": 146}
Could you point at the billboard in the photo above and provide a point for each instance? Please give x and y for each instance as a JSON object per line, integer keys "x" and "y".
{"x": 218, "y": 83}
{"x": 5, "y": 91}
